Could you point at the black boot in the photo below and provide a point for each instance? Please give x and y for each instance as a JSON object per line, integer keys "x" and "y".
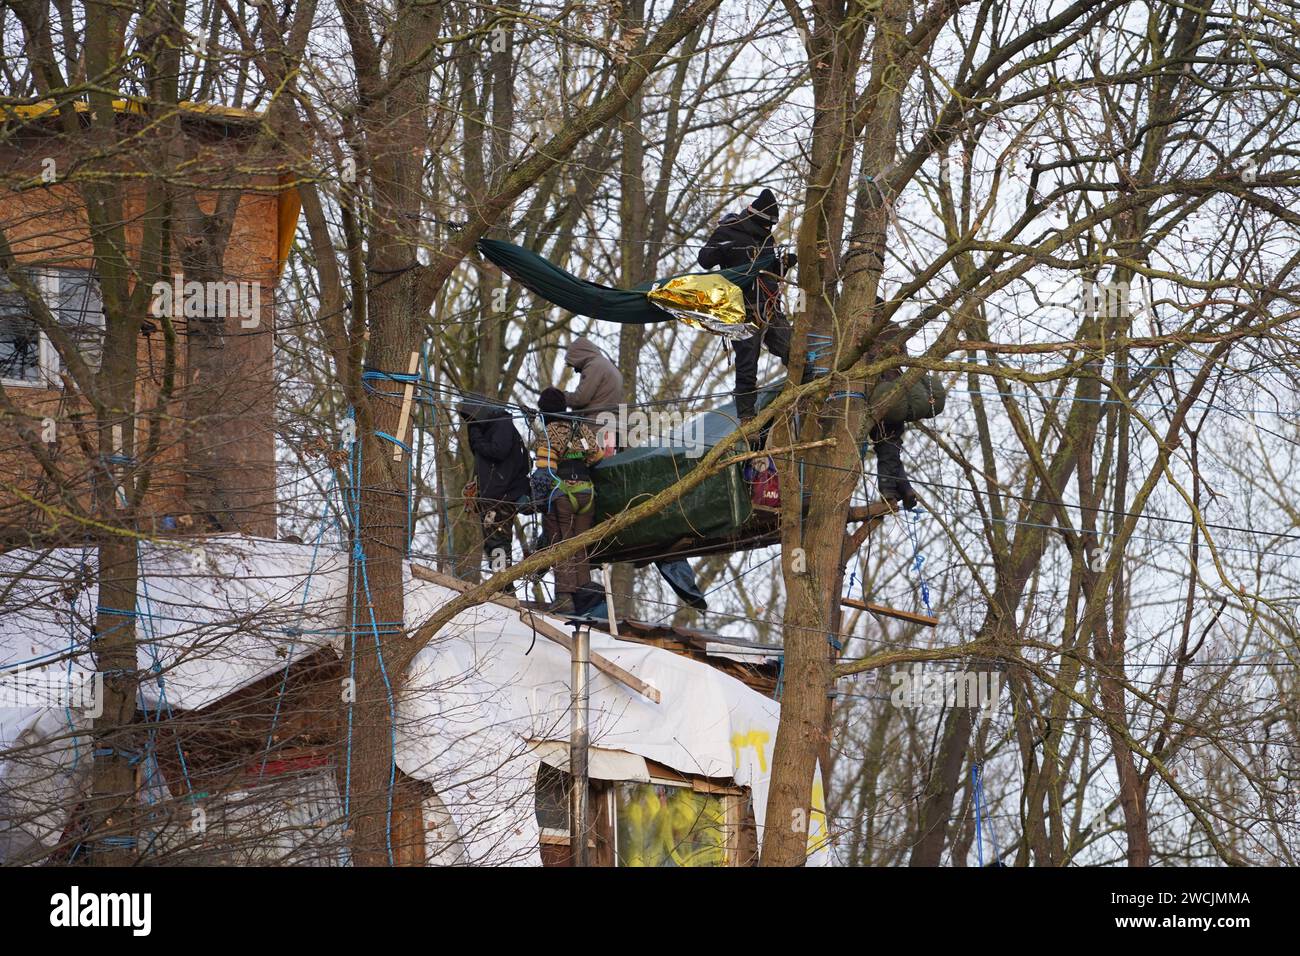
{"x": 898, "y": 492}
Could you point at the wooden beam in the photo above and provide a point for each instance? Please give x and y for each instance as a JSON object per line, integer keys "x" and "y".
{"x": 408, "y": 393}
{"x": 869, "y": 518}
{"x": 872, "y": 512}
{"x": 924, "y": 620}
{"x": 544, "y": 628}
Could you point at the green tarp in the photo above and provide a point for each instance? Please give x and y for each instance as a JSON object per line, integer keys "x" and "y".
{"x": 716, "y": 508}
{"x": 566, "y": 290}
{"x": 719, "y": 506}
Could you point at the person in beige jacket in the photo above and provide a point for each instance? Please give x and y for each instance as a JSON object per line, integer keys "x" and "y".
{"x": 600, "y": 383}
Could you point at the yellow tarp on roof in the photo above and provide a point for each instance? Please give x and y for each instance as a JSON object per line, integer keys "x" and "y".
{"x": 129, "y": 105}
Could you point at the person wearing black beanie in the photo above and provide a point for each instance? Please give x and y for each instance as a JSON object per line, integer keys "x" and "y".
{"x": 765, "y": 207}
{"x": 740, "y": 239}
{"x": 551, "y": 403}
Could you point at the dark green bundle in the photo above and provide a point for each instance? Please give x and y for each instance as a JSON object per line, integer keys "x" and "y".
{"x": 925, "y": 399}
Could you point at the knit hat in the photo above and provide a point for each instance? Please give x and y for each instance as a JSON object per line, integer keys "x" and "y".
{"x": 551, "y": 401}
{"x": 765, "y": 207}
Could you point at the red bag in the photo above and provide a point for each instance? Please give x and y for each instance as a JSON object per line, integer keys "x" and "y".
{"x": 764, "y": 487}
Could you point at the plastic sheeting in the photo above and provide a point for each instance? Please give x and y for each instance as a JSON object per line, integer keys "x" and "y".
{"x": 681, "y": 578}
{"x": 718, "y": 506}
{"x": 602, "y": 764}
{"x": 475, "y": 703}
{"x": 477, "y": 696}
{"x": 213, "y": 616}
{"x": 708, "y": 302}
{"x": 718, "y": 315}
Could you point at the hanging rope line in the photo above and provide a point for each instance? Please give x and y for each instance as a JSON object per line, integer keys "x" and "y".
{"x": 918, "y": 559}
{"x": 981, "y": 812}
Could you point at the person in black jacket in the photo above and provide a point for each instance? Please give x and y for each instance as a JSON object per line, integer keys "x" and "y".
{"x": 500, "y": 475}
{"x": 886, "y": 436}
{"x": 740, "y": 239}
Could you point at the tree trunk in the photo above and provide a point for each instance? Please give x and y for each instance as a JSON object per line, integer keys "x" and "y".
{"x": 376, "y": 656}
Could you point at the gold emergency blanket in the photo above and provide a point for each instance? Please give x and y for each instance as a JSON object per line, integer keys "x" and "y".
{"x": 707, "y": 302}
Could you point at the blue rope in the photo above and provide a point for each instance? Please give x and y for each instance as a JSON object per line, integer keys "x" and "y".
{"x": 817, "y": 351}
{"x": 115, "y": 612}
{"x": 372, "y": 375}
{"x": 297, "y": 632}
{"x": 392, "y": 721}
{"x": 132, "y": 756}
{"x": 918, "y": 559}
{"x": 125, "y": 842}
{"x": 361, "y": 582}
{"x": 39, "y": 658}
{"x": 154, "y": 770}
{"x": 72, "y": 647}
{"x": 982, "y": 812}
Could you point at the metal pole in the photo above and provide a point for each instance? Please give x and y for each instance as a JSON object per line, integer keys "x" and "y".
{"x": 579, "y": 805}
{"x": 607, "y": 571}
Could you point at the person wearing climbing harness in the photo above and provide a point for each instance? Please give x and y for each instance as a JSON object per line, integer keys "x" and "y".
{"x": 886, "y": 435}
{"x": 600, "y": 383}
{"x": 500, "y": 475}
{"x": 740, "y": 239}
{"x": 566, "y": 454}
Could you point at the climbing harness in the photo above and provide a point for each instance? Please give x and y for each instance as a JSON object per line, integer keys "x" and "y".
{"x": 571, "y": 488}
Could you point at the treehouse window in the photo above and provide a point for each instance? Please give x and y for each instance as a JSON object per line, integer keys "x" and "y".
{"x": 661, "y": 824}
{"x": 27, "y": 355}
{"x": 553, "y": 819}
{"x": 553, "y": 801}
{"x": 671, "y": 820}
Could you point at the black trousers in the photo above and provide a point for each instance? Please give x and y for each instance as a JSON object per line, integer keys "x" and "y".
{"x": 498, "y": 518}
{"x": 776, "y": 336}
{"x": 887, "y": 440}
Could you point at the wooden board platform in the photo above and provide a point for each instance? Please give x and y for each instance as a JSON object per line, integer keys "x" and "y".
{"x": 911, "y": 617}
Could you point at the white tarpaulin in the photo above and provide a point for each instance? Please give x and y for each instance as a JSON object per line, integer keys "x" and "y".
{"x": 476, "y": 703}
{"x": 602, "y": 764}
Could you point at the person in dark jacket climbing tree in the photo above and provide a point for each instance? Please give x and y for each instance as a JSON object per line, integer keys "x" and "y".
{"x": 500, "y": 475}
{"x": 600, "y": 383}
{"x": 886, "y": 435}
{"x": 566, "y": 454}
{"x": 739, "y": 240}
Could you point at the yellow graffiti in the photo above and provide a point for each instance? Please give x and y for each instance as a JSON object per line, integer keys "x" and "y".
{"x": 669, "y": 826}
{"x": 818, "y": 834}
{"x": 755, "y": 738}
